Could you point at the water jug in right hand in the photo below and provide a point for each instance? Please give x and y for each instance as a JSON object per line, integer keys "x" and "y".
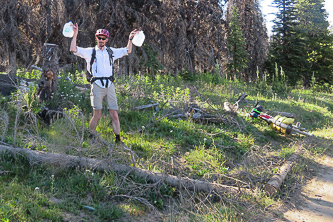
{"x": 138, "y": 39}
{"x": 68, "y": 30}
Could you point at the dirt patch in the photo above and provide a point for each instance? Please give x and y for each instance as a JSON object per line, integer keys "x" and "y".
{"x": 317, "y": 197}
{"x": 69, "y": 217}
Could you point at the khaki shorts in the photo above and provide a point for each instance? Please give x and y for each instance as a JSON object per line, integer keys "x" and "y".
{"x": 97, "y": 94}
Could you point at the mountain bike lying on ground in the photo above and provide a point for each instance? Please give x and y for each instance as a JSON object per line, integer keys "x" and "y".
{"x": 280, "y": 123}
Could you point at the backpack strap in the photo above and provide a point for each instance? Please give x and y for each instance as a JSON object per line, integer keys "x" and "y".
{"x": 90, "y": 75}
{"x": 111, "y": 78}
{"x": 109, "y": 50}
{"x": 93, "y": 56}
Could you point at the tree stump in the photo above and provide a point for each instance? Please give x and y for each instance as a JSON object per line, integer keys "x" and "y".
{"x": 48, "y": 82}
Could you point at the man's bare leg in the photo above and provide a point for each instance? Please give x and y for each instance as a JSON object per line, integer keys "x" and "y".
{"x": 94, "y": 120}
{"x": 115, "y": 123}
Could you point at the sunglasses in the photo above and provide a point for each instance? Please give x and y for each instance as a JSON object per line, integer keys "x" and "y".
{"x": 100, "y": 38}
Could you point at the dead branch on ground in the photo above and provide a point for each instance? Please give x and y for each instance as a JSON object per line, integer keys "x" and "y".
{"x": 103, "y": 165}
{"x": 275, "y": 182}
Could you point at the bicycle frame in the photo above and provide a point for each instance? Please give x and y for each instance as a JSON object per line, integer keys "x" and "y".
{"x": 278, "y": 125}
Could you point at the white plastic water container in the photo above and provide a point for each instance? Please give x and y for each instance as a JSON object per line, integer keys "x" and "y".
{"x": 138, "y": 39}
{"x": 68, "y": 30}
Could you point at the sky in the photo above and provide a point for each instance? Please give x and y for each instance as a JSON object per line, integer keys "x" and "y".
{"x": 267, "y": 9}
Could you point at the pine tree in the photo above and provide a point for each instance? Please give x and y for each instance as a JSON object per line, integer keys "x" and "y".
{"x": 313, "y": 28}
{"x": 236, "y": 44}
{"x": 286, "y": 49}
{"x": 301, "y": 42}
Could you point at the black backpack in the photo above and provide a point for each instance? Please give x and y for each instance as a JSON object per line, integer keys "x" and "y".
{"x": 89, "y": 75}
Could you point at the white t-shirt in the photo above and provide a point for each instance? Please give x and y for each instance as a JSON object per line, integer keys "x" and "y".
{"x": 101, "y": 66}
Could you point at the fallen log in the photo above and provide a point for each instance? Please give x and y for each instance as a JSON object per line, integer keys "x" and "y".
{"x": 276, "y": 181}
{"x": 234, "y": 108}
{"x": 146, "y": 106}
{"x": 181, "y": 116}
{"x": 63, "y": 160}
{"x": 228, "y": 107}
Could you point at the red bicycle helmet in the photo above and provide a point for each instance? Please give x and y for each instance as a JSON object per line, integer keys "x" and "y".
{"x": 102, "y": 32}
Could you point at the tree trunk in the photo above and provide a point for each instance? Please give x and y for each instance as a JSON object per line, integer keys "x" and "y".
{"x": 12, "y": 67}
{"x": 48, "y": 82}
{"x": 63, "y": 160}
{"x": 306, "y": 82}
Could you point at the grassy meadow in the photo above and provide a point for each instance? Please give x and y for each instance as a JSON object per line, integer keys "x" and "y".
{"x": 234, "y": 150}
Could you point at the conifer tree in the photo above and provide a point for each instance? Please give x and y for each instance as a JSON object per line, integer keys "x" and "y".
{"x": 313, "y": 29}
{"x": 286, "y": 50}
{"x": 301, "y": 42}
{"x": 236, "y": 44}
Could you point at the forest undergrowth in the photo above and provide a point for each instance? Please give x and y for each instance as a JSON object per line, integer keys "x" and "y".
{"x": 170, "y": 125}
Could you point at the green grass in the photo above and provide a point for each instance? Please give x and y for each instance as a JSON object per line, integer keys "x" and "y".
{"x": 199, "y": 150}
{"x": 20, "y": 202}
{"x": 27, "y": 192}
